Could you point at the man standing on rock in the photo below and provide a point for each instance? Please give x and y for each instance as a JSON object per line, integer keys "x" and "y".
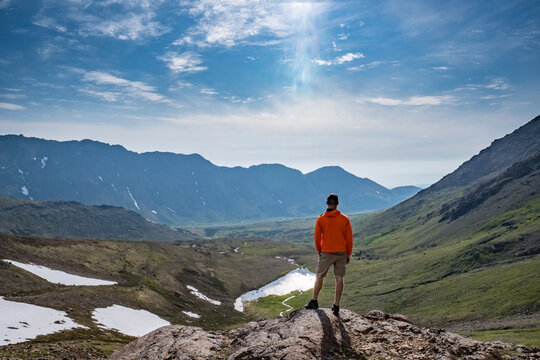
{"x": 333, "y": 240}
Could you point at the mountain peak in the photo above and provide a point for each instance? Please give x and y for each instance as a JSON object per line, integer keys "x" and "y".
{"x": 309, "y": 334}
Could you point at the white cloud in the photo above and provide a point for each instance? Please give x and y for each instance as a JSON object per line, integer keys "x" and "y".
{"x": 126, "y": 27}
{"x": 9, "y": 106}
{"x": 440, "y": 68}
{"x": 231, "y": 22}
{"x": 322, "y": 62}
{"x": 123, "y": 20}
{"x": 188, "y": 61}
{"x": 411, "y": 101}
{"x": 208, "y": 91}
{"x": 122, "y": 87}
{"x": 348, "y": 57}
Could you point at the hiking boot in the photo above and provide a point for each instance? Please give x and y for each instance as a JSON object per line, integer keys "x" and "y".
{"x": 312, "y": 304}
{"x": 335, "y": 309}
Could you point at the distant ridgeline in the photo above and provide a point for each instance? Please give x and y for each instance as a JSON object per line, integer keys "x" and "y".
{"x": 177, "y": 189}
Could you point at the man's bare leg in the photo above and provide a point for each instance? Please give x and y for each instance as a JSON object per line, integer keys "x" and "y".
{"x": 339, "y": 289}
{"x": 317, "y": 287}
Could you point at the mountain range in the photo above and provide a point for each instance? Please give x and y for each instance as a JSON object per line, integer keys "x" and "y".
{"x": 178, "y": 189}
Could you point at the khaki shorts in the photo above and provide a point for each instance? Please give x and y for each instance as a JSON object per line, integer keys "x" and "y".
{"x": 338, "y": 259}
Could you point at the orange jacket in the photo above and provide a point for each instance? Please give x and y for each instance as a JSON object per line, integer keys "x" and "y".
{"x": 333, "y": 232}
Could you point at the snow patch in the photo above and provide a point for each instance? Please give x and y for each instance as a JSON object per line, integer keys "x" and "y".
{"x": 21, "y": 172}
{"x": 24, "y": 190}
{"x": 132, "y": 198}
{"x": 236, "y": 249}
{"x": 128, "y": 321}
{"x": 171, "y": 210}
{"x": 279, "y": 201}
{"x": 100, "y": 178}
{"x": 200, "y": 295}
{"x": 378, "y": 192}
{"x": 59, "y": 277}
{"x": 20, "y": 322}
{"x": 114, "y": 187}
{"x": 154, "y": 211}
{"x": 297, "y": 279}
{"x": 44, "y": 161}
{"x": 191, "y": 314}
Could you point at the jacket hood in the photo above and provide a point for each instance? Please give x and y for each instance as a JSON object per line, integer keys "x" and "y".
{"x": 332, "y": 213}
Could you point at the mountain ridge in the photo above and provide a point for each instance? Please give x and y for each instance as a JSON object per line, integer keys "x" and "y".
{"x": 70, "y": 219}
{"x": 175, "y": 189}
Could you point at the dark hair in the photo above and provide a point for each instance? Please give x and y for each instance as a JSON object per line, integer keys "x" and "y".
{"x": 332, "y": 199}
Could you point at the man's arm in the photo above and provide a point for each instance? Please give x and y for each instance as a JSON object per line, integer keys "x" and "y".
{"x": 318, "y": 232}
{"x": 349, "y": 238}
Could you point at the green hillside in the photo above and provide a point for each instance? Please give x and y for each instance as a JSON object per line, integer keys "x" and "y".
{"x": 462, "y": 254}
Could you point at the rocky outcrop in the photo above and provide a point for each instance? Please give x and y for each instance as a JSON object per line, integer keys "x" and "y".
{"x": 318, "y": 334}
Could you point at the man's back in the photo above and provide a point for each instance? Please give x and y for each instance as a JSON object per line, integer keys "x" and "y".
{"x": 333, "y": 232}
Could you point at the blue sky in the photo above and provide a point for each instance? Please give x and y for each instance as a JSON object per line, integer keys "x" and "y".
{"x": 401, "y": 92}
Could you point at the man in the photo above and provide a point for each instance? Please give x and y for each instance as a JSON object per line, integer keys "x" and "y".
{"x": 333, "y": 240}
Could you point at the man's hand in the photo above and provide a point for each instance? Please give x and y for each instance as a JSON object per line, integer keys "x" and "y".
{"x": 348, "y": 259}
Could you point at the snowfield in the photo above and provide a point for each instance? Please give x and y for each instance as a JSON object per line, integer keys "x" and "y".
{"x": 200, "y": 295}
{"x": 20, "y": 322}
{"x": 297, "y": 279}
{"x": 191, "y": 314}
{"x": 128, "y": 321}
{"x": 59, "y": 277}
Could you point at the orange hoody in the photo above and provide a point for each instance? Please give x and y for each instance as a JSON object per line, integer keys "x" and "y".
{"x": 333, "y": 232}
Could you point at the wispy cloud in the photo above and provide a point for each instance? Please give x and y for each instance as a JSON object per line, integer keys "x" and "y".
{"x": 370, "y": 65}
{"x": 105, "y": 95}
{"x": 123, "y": 20}
{"x": 4, "y": 3}
{"x": 348, "y": 57}
{"x": 48, "y": 22}
{"x": 120, "y": 88}
{"x": 10, "y": 106}
{"x": 130, "y": 26}
{"x": 497, "y": 84}
{"x": 188, "y": 61}
{"x": 13, "y": 96}
{"x": 411, "y": 101}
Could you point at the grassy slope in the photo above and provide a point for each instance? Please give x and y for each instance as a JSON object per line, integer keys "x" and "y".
{"x": 151, "y": 276}
{"x": 482, "y": 267}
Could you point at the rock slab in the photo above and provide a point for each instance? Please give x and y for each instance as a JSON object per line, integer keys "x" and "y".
{"x": 318, "y": 334}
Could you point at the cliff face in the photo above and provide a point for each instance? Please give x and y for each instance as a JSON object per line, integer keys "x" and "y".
{"x": 318, "y": 334}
